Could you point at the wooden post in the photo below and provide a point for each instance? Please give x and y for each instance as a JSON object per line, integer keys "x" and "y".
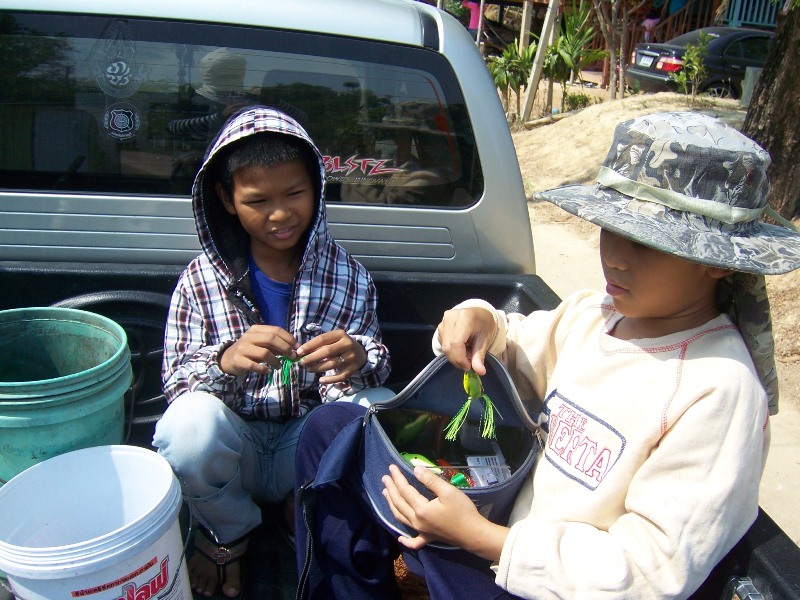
{"x": 533, "y": 81}
{"x": 525, "y": 27}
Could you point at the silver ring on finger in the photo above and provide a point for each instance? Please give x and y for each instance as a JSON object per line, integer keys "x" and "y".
{"x": 341, "y": 359}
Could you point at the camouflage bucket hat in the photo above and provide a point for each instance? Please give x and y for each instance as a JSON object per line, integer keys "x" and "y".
{"x": 689, "y": 185}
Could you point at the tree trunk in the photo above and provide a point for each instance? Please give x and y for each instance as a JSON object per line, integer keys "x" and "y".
{"x": 603, "y": 21}
{"x": 623, "y": 50}
{"x": 613, "y": 48}
{"x": 773, "y": 118}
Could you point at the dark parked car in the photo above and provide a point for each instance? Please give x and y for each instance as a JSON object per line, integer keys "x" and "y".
{"x": 730, "y": 51}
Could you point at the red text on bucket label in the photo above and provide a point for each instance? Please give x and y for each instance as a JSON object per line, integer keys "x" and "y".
{"x": 151, "y": 588}
{"x": 131, "y": 591}
{"x": 117, "y": 582}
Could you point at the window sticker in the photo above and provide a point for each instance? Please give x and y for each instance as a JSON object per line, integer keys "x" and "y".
{"x": 122, "y": 121}
{"x": 113, "y": 65}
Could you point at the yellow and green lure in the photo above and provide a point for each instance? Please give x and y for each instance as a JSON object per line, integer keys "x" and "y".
{"x": 474, "y": 389}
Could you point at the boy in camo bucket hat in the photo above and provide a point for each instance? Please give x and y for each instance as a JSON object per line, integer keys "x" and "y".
{"x": 691, "y": 186}
{"x": 652, "y": 395}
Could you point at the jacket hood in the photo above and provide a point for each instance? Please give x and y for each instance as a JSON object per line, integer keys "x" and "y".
{"x": 222, "y": 238}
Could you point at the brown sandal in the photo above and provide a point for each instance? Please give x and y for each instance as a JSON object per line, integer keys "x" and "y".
{"x": 220, "y": 554}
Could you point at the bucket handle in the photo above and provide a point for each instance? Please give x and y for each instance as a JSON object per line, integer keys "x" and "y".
{"x": 7, "y": 587}
{"x": 183, "y": 552}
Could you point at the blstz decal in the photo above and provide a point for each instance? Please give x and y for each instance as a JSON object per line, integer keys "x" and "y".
{"x": 579, "y": 444}
{"x": 122, "y": 121}
{"x": 338, "y": 168}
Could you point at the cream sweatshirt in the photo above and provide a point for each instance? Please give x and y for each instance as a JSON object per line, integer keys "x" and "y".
{"x": 654, "y": 452}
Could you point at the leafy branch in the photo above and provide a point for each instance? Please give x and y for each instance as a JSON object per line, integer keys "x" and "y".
{"x": 693, "y": 69}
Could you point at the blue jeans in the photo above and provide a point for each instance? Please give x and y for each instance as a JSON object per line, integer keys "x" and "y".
{"x": 227, "y": 465}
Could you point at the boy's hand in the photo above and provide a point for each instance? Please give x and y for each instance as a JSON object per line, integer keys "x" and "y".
{"x": 465, "y": 335}
{"x": 258, "y": 350}
{"x": 334, "y": 350}
{"x": 451, "y": 517}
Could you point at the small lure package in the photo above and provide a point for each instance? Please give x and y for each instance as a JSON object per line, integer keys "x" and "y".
{"x": 489, "y": 469}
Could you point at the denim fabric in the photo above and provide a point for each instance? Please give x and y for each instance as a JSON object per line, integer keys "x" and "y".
{"x": 227, "y": 465}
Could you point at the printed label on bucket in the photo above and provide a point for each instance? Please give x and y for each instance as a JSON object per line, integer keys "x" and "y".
{"x": 131, "y": 590}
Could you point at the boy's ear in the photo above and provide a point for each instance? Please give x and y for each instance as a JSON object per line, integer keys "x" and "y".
{"x": 227, "y": 202}
{"x": 719, "y": 272}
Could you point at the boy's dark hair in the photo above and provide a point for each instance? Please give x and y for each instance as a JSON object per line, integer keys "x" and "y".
{"x": 267, "y": 149}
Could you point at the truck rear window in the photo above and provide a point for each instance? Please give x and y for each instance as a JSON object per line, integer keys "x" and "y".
{"x": 108, "y": 105}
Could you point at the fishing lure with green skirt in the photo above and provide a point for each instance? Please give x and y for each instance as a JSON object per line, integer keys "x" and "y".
{"x": 285, "y": 372}
{"x": 474, "y": 389}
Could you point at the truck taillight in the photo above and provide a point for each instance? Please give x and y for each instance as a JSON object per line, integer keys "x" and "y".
{"x": 669, "y": 63}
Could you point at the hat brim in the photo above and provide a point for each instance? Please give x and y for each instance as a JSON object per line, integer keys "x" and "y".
{"x": 755, "y": 247}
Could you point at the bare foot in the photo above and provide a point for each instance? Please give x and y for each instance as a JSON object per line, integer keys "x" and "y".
{"x": 204, "y": 574}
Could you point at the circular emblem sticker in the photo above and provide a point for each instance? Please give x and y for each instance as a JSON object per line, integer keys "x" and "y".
{"x": 122, "y": 121}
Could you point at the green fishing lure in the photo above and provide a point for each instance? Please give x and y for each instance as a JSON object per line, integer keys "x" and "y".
{"x": 474, "y": 389}
{"x": 285, "y": 372}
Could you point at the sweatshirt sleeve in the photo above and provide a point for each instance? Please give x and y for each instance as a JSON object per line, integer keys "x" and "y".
{"x": 528, "y": 345}
{"x": 190, "y": 364}
{"x": 689, "y": 503}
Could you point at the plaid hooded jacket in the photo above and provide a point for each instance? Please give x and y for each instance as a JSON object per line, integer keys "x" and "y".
{"x": 213, "y": 303}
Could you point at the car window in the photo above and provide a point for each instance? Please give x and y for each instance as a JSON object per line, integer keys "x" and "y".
{"x": 692, "y": 37}
{"x": 750, "y": 48}
{"x": 113, "y": 106}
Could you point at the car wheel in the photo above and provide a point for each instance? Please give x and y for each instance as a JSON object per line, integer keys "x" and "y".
{"x": 721, "y": 90}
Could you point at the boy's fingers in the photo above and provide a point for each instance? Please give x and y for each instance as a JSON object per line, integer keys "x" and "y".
{"x": 478, "y": 364}
{"x": 431, "y": 481}
{"x": 465, "y": 335}
{"x": 397, "y": 503}
{"x": 400, "y": 509}
{"x": 322, "y": 340}
{"x": 454, "y": 348}
{"x": 414, "y": 543}
{"x": 275, "y": 340}
{"x": 403, "y": 494}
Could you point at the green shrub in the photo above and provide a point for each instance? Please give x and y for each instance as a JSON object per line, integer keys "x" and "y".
{"x": 576, "y": 101}
{"x": 693, "y": 70}
{"x": 455, "y": 8}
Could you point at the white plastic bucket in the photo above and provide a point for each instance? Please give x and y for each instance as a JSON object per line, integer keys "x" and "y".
{"x": 98, "y": 523}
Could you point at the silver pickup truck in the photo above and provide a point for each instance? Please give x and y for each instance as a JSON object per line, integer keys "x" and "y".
{"x": 106, "y": 110}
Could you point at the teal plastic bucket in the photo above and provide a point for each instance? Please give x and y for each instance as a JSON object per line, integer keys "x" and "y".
{"x": 63, "y": 377}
